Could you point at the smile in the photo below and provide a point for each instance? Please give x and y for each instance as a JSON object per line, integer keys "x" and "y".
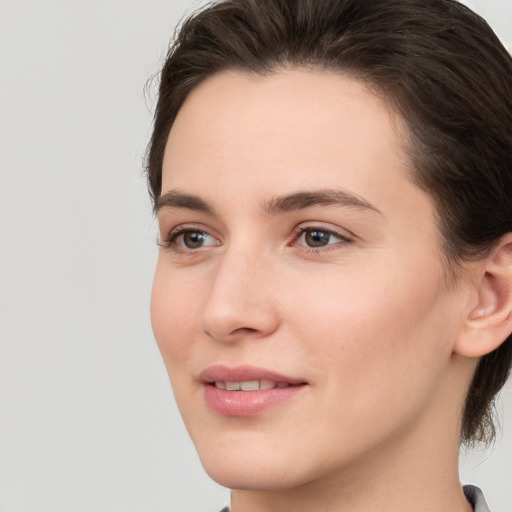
{"x": 251, "y": 385}
{"x": 244, "y": 391}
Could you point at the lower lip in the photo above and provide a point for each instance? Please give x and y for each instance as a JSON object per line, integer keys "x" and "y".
{"x": 247, "y": 403}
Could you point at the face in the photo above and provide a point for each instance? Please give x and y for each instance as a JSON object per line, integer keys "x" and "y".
{"x": 299, "y": 262}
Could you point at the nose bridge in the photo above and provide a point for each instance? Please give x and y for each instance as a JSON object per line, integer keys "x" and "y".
{"x": 240, "y": 300}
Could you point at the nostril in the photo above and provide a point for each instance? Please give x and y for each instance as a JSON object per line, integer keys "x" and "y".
{"x": 240, "y": 330}
{"x": 246, "y": 330}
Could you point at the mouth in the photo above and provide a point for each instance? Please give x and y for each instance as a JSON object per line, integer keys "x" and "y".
{"x": 247, "y": 391}
{"x": 251, "y": 385}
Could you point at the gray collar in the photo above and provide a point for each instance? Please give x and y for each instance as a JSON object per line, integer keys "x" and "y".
{"x": 473, "y": 494}
{"x": 476, "y": 498}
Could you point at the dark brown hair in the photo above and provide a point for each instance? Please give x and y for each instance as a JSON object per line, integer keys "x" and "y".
{"x": 440, "y": 66}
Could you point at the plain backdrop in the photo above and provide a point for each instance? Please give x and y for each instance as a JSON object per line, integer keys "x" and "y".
{"x": 87, "y": 418}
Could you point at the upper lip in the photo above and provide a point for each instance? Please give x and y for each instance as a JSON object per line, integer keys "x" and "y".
{"x": 243, "y": 373}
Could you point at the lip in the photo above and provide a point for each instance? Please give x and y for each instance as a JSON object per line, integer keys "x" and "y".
{"x": 225, "y": 373}
{"x": 246, "y": 403}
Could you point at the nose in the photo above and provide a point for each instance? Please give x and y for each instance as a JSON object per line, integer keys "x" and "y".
{"x": 241, "y": 302}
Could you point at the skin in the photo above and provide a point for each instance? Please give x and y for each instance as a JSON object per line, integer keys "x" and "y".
{"x": 370, "y": 321}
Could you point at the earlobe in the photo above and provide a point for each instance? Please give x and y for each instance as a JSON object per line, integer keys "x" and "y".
{"x": 489, "y": 321}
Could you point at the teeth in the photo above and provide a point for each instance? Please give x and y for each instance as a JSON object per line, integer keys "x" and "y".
{"x": 267, "y": 384}
{"x": 250, "y": 385}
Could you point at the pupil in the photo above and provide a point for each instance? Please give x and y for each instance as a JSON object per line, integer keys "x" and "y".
{"x": 317, "y": 238}
{"x": 193, "y": 240}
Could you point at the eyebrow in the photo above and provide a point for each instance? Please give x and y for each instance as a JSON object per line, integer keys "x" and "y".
{"x": 280, "y": 204}
{"x": 175, "y": 199}
{"x": 328, "y": 197}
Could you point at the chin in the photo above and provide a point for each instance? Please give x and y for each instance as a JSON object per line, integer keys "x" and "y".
{"x": 261, "y": 478}
{"x": 260, "y": 468}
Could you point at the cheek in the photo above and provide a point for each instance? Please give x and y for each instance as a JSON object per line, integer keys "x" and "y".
{"x": 172, "y": 316}
{"x": 375, "y": 334}
{"x": 174, "y": 319}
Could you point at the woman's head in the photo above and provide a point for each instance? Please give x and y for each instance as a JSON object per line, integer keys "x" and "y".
{"x": 442, "y": 74}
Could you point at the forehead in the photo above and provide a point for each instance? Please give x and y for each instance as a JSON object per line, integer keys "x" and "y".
{"x": 292, "y": 118}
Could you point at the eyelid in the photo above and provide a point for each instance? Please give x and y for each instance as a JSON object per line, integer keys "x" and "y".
{"x": 344, "y": 237}
{"x": 181, "y": 229}
{"x": 167, "y": 241}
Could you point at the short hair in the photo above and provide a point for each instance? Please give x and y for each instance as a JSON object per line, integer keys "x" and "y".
{"x": 438, "y": 64}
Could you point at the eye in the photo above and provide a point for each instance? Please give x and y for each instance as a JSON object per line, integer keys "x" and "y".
{"x": 189, "y": 239}
{"x": 319, "y": 237}
{"x": 193, "y": 239}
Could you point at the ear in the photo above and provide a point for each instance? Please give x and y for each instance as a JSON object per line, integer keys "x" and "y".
{"x": 489, "y": 321}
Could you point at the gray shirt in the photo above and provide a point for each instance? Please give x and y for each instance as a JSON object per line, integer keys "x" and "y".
{"x": 473, "y": 494}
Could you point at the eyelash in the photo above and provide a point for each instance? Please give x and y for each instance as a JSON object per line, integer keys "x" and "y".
{"x": 299, "y": 231}
{"x": 169, "y": 242}
{"x": 171, "y": 238}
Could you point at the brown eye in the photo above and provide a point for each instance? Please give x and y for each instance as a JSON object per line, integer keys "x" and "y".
{"x": 317, "y": 238}
{"x": 194, "y": 239}
{"x": 184, "y": 239}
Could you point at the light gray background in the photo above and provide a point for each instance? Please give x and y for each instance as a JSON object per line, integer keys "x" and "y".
{"x": 87, "y": 420}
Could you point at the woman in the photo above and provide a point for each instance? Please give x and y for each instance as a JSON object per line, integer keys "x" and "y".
{"x": 333, "y": 294}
